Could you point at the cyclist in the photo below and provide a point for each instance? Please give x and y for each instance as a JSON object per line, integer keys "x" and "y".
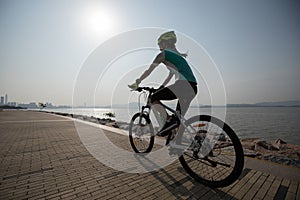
{"x": 185, "y": 87}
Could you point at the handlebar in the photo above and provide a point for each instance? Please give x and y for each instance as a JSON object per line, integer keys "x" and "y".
{"x": 150, "y": 89}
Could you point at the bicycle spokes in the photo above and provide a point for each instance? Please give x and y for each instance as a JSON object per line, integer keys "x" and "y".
{"x": 215, "y": 156}
{"x": 141, "y": 134}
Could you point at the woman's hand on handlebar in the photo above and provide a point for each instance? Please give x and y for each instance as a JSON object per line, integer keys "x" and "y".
{"x": 135, "y": 85}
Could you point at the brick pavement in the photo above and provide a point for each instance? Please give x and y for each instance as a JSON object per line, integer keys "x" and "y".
{"x": 42, "y": 157}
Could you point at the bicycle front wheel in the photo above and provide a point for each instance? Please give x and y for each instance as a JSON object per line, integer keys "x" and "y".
{"x": 218, "y": 159}
{"x": 141, "y": 133}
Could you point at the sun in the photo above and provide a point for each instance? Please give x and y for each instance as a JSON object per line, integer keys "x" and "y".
{"x": 99, "y": 21}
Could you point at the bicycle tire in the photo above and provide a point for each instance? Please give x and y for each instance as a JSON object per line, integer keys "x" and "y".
{"x": 137, "y": 138}
{"x": 209, "y": 171}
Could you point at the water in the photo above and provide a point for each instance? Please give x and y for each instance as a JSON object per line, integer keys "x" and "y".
{"x": 268, "y": 123}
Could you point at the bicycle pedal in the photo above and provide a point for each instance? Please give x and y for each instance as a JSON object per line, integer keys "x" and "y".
{"x": 196, "y": 157}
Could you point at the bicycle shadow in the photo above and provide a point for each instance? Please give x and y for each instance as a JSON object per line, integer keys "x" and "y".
{"x": 179, "y": 184}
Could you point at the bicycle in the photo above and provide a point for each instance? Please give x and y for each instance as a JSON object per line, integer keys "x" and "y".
{"x": 212, "y": 156}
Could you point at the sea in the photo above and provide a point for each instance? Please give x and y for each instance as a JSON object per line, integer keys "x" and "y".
{"x": 267, "y": 123}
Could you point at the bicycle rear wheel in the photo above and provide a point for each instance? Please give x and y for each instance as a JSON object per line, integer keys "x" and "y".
{"x": 219, "y": 158}
{"x": 141, "y": 133}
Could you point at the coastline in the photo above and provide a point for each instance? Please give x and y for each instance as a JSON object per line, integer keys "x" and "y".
{"x": 277, "y": 151}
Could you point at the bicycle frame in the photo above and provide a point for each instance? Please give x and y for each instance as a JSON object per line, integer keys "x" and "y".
{"x": 148, "y": 105}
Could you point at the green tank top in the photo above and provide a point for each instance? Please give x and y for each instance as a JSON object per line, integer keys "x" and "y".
{"x": 183, "y": 68}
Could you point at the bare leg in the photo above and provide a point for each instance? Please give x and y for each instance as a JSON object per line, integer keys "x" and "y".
{"x": 156, "y": 106}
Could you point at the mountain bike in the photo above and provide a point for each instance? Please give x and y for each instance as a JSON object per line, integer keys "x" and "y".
{"x": 208, "y": 149}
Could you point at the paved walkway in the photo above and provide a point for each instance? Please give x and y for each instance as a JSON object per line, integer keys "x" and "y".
{"x": 42, "y": 157}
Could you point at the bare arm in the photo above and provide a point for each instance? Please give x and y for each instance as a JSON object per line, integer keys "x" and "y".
{"x": 159, "y": 59}
{"x": 168, "y": 79}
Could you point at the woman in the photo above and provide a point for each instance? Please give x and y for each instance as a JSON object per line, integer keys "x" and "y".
{"x": 185, "y": 87}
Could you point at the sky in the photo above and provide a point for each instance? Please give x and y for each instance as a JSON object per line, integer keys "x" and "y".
{"x": 254, "y": 44}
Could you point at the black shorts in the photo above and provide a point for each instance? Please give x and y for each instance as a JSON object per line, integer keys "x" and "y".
{"x": 182, "y": 90}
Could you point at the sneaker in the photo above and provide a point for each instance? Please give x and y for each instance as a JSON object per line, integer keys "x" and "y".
{"x": 169, "y": 125}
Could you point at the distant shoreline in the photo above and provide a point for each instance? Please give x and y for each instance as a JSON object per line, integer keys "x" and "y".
{"x": 7, "y": 107}
{"x": 293, "y": 104}
{"x": 192, "y": 106}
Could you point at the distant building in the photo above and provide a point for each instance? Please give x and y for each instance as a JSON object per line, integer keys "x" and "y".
{"x": 49, "y": 105}
{"x": 12, "y": 104}
{"x": 32, "y": 105}
{"x": 1, "y": 100}
{"x": 28, "y": 105}
{"x": 6, "y": 99}
{"x": 24, "y": 105}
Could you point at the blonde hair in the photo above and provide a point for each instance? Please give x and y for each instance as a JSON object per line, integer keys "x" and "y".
{"x": 169, "y": 39}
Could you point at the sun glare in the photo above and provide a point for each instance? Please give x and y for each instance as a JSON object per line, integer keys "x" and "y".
{"x": 99, "y": 22}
